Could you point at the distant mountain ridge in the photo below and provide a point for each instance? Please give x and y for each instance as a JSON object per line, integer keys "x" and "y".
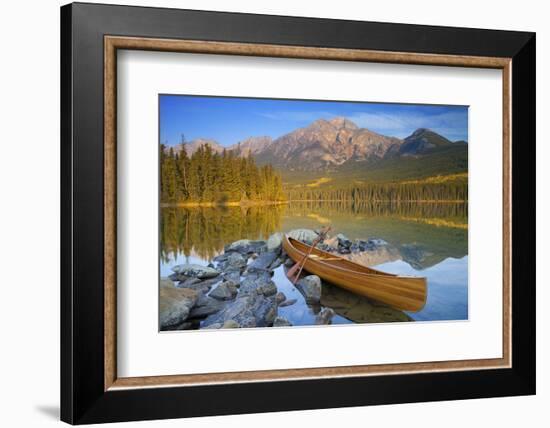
{"x": 338, "y": 145}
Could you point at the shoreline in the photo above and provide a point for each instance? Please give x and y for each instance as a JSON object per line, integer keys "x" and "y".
{"x": 268, "y": 203}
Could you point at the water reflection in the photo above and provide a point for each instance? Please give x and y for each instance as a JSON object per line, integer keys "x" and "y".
{"x": 423, "y": 239}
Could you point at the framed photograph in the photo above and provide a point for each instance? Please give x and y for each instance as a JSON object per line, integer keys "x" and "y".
{"x": 265, "y": 213}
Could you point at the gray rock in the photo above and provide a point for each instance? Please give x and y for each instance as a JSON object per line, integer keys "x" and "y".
{"x": 280, "y": 297}
{"x": 268, "y": 289}
{"x": 205, "y": 306}
{"x": 189, "y": 283}
{"x": 246, "y": 246}
{"x": 324, "y": 317}
{"x": 278, "y": 262}
{"x": 310, "y": 287}
{"x": 253, "y": 281}
{"x": 287, "y": 302}
{"x": 221, "y": 258}
{"x": 233, "y": 275}
{"x": 195, "y": 271}
{"x": 275, "y": 242}
{"x": 281, "y": 322}
{"x": 235, "y": 261}
{"x": 343, "y": 240}
{"x": 227, "y": 290}
{"x": 377, "y": 242}
{"x": 175, "y": 305}
{"x": 230, "y": 324}
{"x": 251, "y": 310}
{"x": 304, "y": 235}
{"x": 178, "y": 277}
{"x": 262, "y": 262}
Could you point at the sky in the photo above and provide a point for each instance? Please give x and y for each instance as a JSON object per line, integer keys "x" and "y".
{"x": 230, "y": 120}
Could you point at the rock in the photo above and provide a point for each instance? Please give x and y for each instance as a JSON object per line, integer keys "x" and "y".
{"x": 221, "y": 258}
{"x": 230, "y": 324}
{"x": 287, "y": 302}
{"x": 227, "y": 290}
{"x": 178, "y": 277}
{"x": 246, "y": 246}
{"x": 205, "y": 306}
{"x": 289, "y": 262}
{"x": 343, "y": 240}
{"x": 278, "y": 262}
{"x": 175, "y": 305}
{"x": 188, "y": 283}
{"x": 233, "y": 275}
{"x": 377, "y": 242}
{"x": 235, "y": 261}
{"x": 268, "y": 289}
{"x": 324, "y": 317}
{"x": 304, "y": 235}
{"x": 164, "y": 282}
{"x": 251, "y": 310}
{"x": 280, "y": 297}
{"x": 310, "y": 287}
{"x": 253, "y": 281}
{"x": 201, "y": 286}
{"x": 275, "y": 242}
{"x": 265, "y": 311}
{"x": 281, "y": 322}
{"x": 262, "y": 262}
{"x": 343, "y": 250}
{"x": 195, "y": 271}
{"x": 213, "y": 326}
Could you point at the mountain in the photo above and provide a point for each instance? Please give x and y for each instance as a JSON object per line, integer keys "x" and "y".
{"x": 421, "y": 141}
{"x": 194, "y": 145}
{"x": 251, "y": 146}
{"x": 326, "y": 144}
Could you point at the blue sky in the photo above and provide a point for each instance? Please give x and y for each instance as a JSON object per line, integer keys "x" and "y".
{"x": 230, "y": 120}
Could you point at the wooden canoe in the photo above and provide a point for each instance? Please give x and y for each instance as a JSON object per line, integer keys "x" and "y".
{"x": 407, "y": 293}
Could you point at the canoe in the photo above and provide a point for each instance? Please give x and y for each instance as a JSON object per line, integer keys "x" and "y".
{"x": 407, "y": 293}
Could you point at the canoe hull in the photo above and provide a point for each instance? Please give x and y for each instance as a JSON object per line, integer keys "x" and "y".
{"x": 400, "y": 292}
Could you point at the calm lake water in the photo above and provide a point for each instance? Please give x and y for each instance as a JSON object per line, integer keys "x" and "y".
{"x": 423, "y": 239}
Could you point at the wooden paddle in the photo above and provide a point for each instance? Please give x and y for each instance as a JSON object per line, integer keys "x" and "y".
{"x": 293, "y": 274}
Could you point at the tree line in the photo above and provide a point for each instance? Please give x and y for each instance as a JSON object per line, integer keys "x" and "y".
{"x": 211, "y": 177}
{"x": 384, "y": 192}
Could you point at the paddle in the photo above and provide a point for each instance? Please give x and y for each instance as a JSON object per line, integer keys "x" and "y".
{"x": 295, "y": 271}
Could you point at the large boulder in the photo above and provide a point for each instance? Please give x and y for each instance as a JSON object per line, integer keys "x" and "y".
{"x": 175, "y": 305}
{"x": 304, "y": 235}
{"x": 192, "y": 270}
{"x": 275, "y": 242}
{"x": 310, "y": 287}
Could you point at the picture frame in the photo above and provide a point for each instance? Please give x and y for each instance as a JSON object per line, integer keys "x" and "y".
{"x": 91, "y": 35}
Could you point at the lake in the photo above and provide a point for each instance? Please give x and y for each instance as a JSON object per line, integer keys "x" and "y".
{"x": 423, "y": 239}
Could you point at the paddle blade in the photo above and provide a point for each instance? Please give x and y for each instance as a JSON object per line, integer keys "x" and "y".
{"x": 291, "y": 274}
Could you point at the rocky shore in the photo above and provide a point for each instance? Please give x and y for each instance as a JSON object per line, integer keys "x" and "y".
{"x": 237, "y": 289}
